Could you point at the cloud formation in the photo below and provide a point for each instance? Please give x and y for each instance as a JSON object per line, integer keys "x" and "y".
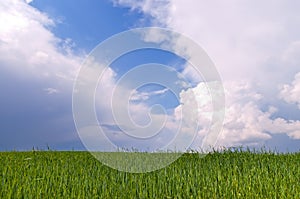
{"x": 35, "y": 65}
{"x": 245, "y": 123}
{"x": 255, "y": 49}
{"x": 29, "y": 48}
{"x": 291, "y": 92}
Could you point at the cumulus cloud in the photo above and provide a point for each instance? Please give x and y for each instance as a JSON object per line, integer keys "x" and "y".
{"x": 291, "y": 92}
{"x": 245, "y": 123}
{"x": 255, "y": 49}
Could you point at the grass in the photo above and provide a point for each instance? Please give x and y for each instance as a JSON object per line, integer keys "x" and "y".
{"x": 228, "y": 174}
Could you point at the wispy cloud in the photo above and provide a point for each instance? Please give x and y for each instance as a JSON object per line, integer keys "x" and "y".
{"x": 143, "y": 96}
{"x": 51, "y": 91}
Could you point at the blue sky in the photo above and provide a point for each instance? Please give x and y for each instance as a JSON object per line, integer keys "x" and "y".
{"x": 256, "y": 50}
{"x": 88, "y": 23}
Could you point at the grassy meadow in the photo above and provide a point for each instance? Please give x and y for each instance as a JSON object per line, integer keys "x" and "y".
{"x": 228, "y": 174}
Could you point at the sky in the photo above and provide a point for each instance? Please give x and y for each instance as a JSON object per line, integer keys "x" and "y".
{"x": 254, "y": 45}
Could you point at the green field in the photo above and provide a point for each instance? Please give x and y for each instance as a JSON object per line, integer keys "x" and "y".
{"x": 228, "y": 174}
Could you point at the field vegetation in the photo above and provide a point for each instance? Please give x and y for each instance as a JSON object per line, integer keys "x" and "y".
{"x": 227, "y": 174}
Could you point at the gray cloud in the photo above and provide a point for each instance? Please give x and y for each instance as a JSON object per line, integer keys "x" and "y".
{"x": 33, "y": 66}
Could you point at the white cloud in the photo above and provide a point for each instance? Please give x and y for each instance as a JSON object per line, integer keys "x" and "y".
{"x": 142, "y": 96}
{"x": 291, "y": 54}
{"x": 51, "y": 91}
{"x": 238, "y": 36}
{"x": 255, "y": 46}
{"x": 191, "y": 74}
{"x": 29, "y": 49}
{"x": 29, "y": 1}
{"x": 245, "y": 123}
{"x": 33, "y": 59}
{"x": 156, "y": 8}
{"x": 117, "y": 104}
{"x": 291, "y": 92}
